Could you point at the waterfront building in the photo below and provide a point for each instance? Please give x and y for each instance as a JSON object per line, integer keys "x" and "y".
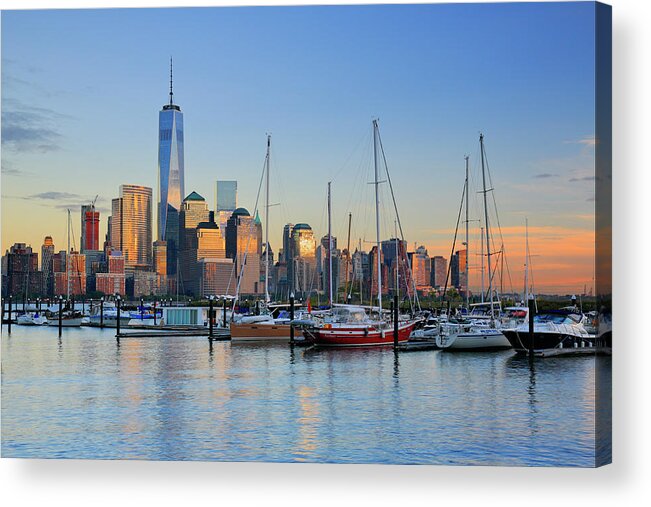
{"x": 22, "y": 276}
{"x": 241, "y": 246}
{"x": 95, "y": 263}
{"x": 361, "y": 273}
{"x": 171, "y": 166}
{"x": 438, "y": 271}
{"x": 225, "y": 195}
{"x": 72, "y": 280}
{"x": 372, "y": 258}
{"x": 216, "y": 277}
{"x": 160, "y": 265}
{"x": 59, "y": 262}
{"x": 131, "y": 227}
{"x": 112, "y": 282}
{"x": 303, "y": 248}
{"x": 421, "y": 268}
{"x": 268, "y": 257}
{"x": 287, "y": 257}
{"x": 458, "y": 270}
{"x": 194, "y": 211}
{"x": 146, "y": 283}
{"x": 47, "y": 253}
{"x": 89, "y": 228}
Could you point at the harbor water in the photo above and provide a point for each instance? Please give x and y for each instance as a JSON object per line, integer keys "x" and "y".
{"x": 179, "y": 398}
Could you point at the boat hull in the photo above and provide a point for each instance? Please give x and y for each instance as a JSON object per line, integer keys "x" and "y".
{"x": 542, "y": 340}
{"x": 249, "y": 332}
{"x": 484, "y": 340}
{"x": 76, "y": 322}
{"x": 358, "y": 336}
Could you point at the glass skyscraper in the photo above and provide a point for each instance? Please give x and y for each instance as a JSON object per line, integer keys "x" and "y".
{"x": 171, "y": 170}
{"x": 225, "y": 195}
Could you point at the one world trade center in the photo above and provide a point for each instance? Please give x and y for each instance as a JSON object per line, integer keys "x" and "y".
{"x": 170, "y": 176}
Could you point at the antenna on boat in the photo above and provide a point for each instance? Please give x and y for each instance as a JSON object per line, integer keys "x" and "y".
{"x": 266, "y": 226}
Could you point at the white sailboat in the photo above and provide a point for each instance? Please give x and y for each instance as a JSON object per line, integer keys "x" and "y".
{"x": 484, "y": 334}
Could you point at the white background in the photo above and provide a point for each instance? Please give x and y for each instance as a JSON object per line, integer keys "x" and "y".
{"x": 626, "y": 482}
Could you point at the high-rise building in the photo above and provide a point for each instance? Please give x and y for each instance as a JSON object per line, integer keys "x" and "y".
{"x": 72, "y": 281}
{"x": 458, "y": 270}
{"x": 22, "y": 275}
{"x": 241, "y": 246}
{"x": 47, "y": 252}
{"x": 114, "y": 281}
{"x": 131, "y": 227}
{"x": 421, "y": 267}
{"x": 193, "y": 212}
{"x": 89, "y": 228}
{"x": 303, "y": 248}
{"x": 171, "y": 167}
{"x": 225, "y": 195}
{"x": 215, "y": 277}
{"x": 438, "y": 271}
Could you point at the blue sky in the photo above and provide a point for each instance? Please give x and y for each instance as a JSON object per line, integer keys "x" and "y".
{"x": 81, "y": 91}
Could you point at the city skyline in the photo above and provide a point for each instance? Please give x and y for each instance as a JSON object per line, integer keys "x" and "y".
{"x": 546, "y": 174}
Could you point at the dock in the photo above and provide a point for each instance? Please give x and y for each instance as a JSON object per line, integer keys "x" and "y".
{"x": 417, "y": 345}
{"x": 218, "y": 334}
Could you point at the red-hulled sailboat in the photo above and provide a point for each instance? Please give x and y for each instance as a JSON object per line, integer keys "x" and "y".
{"x": 351, "y": 325}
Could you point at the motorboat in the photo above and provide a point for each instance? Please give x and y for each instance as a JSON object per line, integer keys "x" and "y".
{"x": 553, "y": 329}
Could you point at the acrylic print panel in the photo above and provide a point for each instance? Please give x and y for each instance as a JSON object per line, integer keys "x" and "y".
{"x": 387, "y": 238}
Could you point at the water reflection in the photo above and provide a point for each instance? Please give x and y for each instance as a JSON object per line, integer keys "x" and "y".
{"x": 171, "y": 398}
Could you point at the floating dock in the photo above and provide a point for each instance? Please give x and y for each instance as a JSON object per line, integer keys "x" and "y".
{"x": 218, "y": 334}
{"x": 417, "y": 345}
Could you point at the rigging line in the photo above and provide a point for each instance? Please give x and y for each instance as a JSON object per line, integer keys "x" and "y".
{"x": 454, "y": 242}
{"x": 497, "y": 218}
{"x": 250, "y": 233}
{"x": 366, "y": 136}
{"x": 402, "y": 235}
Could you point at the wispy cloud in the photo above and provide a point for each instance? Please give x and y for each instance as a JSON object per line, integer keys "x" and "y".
{"x": 583, "y": 178}
{"x": 28, "y": 128}
{"x": 66, "y": 200}
{"x": 8, "y": 169}
{"x": 545, "y": 175}
{"x": 589, "y": 141}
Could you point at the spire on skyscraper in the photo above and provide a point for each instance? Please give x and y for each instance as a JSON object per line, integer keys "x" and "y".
{"x": 171, "y": 92}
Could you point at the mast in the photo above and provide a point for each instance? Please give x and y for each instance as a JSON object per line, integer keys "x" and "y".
{"x": 68, "y": 261}
{"x": 488, "y": 245}
{"x": 395, "y": 223}
{"x": 482, "y": 263}
{"x": 467, "y": 247}
{"x": 330, "y": 300}
{"x": 526, "y": 260}
{"x": 348, "y": 256}
{"x": 377, "y": 218}
{"x": 266, "y": 227}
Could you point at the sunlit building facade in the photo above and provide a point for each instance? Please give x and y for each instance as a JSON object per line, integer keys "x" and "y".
{"x": 242, "y": 247}
{"x": 303, "y": 248}
{"x": 131, "y": 226}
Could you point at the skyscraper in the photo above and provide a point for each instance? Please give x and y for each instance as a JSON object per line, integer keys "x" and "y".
{"x": 171, "y": 168}
{"x": 131, "y": 228}
{"x": 242, "y": 247}
{"x": 89, "y": 228}
{"x": 47, "y": 252}
{"x": 225, "y": 195}
{"x": 303, "y": 248}
{"x": 193, "y": 212}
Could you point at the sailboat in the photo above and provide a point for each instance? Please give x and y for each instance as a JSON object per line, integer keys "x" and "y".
{"x": 350, "y": 325}
{"x": 478, "y": 335}
{"x": 69, "y": 317}
{"x": 264, "y": 326}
